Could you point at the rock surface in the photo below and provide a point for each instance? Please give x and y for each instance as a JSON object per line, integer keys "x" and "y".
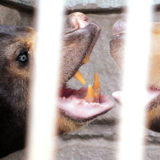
{"x": 78, "y": 4}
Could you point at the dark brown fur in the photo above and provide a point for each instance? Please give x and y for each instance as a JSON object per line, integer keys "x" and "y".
{"x": 14, "y": 89}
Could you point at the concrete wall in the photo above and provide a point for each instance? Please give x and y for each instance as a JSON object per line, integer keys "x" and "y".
{"x": 98, "y": 140}
{"x": 15, "y": 16}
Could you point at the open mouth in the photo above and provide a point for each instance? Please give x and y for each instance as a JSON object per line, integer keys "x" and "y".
{"x": 86, "y": 103}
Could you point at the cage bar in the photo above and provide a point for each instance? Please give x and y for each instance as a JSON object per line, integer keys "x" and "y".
{"x": 42, "y": 117}
{"x": 134, "y": 97}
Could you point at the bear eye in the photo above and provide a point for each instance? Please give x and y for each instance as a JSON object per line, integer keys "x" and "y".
{"x": 23, "y": 57}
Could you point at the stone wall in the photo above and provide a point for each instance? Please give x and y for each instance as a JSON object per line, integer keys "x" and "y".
{"x": 15, "y": 16}
{"x": 98, "y": 140}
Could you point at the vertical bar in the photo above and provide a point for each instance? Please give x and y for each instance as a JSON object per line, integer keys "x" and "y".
{"x": 42, "y": 118}
{"x": 137, "y": 48}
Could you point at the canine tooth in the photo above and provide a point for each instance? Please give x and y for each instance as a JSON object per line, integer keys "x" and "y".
{"x": 80, "y": 77}
{"x": 96, "y": 84}
{"x": 86, "y": 59}
{"x": 90, "y": 94}
{"x": 96, "y": 87}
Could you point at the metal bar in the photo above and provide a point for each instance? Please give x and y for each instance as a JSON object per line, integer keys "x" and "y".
{"x": 137, "y": 48}
{"x": 42, "y": 117}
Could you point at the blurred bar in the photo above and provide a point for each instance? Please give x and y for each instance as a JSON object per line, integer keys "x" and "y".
{"x": 137, "y": 49}
{"x": 42, "y": 117}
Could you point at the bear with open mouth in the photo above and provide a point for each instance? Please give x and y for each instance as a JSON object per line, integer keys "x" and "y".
{"x": 117, "y": 47}
{"x": 75, "y": 107}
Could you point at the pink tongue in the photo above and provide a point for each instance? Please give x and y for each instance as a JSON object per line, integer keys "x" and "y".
{"x": 152, "y": 94}
{"x": 79, "y": 109}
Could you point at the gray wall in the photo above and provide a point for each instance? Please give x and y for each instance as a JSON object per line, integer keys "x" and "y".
{"x": 16, "y": 16}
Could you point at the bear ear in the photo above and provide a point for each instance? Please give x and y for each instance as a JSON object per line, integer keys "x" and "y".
{"x": 77, "y": 44}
